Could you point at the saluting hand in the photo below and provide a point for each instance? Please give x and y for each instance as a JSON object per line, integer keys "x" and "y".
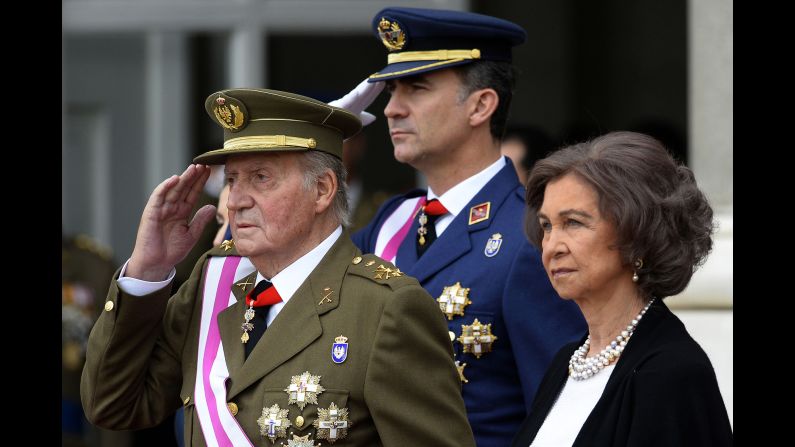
{"x": 166, "y": 233}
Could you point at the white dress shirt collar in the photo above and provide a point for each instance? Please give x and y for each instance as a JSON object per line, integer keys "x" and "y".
{"x": 457, "y": 197}
{"x": 290, "y": 279}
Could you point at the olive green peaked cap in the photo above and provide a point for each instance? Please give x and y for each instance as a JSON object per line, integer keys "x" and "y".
{"x": 260, "y": 120}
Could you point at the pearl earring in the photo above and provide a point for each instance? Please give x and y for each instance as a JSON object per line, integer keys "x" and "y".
{"x": 638, "y": 266}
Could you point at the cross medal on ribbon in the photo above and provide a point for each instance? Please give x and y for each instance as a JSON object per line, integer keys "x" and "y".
{"x": 304, "y": 389}
{"x": 332, "y": 423}
{"x": 273, "y": 423}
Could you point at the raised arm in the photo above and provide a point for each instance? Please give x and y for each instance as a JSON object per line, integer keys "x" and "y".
{"x": 167, "y": 233}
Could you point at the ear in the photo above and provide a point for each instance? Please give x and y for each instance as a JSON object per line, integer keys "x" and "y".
{"x": 484, "y": 103}
{"x": 327, "y": 186}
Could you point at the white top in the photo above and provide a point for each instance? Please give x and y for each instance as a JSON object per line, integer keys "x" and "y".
{"x": 574, "y": 405}
{"x": 286, "y": 282}
{"x": 456, "y": 198}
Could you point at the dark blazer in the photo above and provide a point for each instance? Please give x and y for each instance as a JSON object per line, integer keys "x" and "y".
{"x": 662, "y": 392}
{"x": 398, "y": 382}
{"x": 509, "y": 290}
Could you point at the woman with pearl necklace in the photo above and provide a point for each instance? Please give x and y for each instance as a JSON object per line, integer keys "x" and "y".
{"x": 621, "y": 226}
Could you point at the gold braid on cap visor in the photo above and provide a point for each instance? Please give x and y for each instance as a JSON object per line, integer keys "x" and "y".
{"x": 437, "y": 55}
{"x": 269, "y": 141}
{"x": 444, "y": 57}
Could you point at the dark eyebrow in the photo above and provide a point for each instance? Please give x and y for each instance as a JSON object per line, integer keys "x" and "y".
{"x": 570, "y": 212}
{"x": 421, "y": 77}
{"x": 566, "y": 213}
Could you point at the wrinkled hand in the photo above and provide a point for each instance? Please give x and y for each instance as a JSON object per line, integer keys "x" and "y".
{"x": 166, "y": 234}
{"x": 359, "y": 99}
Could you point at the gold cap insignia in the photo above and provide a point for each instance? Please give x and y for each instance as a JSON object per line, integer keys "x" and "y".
{"x": 453, "y": 300}
{"x": 332, "y": 423}
{"x": 392, "y": 36}
{"x": 476, "y": 338}
{"x": 230, "y": 113}
{"x": 304, "y": 389}
{"x": 274, "y": 422}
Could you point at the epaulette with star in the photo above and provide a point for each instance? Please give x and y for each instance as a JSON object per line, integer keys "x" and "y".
{"x": 378, "y": 270}
{"x": 227, "y": 248}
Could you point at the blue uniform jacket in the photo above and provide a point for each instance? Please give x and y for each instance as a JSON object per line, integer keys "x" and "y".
{"x": 509, "y": 290}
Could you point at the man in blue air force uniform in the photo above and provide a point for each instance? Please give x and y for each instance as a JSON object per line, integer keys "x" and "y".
{"x": 450, "y": 78}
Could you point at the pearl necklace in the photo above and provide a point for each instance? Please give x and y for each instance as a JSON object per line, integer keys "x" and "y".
{"x": 581, "y": 368}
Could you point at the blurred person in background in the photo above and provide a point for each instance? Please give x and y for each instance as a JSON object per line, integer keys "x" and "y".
{"x": 363, "y": 202}
{"x": 86, "y": 267}
{"x": 525, "y": 145}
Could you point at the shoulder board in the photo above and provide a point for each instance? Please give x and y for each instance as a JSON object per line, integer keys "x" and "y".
{"x": 227, "y": 248}
{"x": 380, "y": 271}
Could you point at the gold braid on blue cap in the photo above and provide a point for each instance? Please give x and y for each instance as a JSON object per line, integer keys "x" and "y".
{"x": 436, "y": 55}
{"x": 444, "y": 57}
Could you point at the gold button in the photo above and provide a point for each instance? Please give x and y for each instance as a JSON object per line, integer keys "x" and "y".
{"x": 357, "y": 260}
{"x": 452, "y": 335}
{"x": 299, "y": 421}
{"x": 232, "y": 408}
{"x": 311, "y": 143}
{"x": 108, "y": 306}
{"x": 186, "y": 401}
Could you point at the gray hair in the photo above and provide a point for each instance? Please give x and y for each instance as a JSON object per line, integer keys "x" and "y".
{"x": 315, "y": 164}
{"x": 660, "y": 215}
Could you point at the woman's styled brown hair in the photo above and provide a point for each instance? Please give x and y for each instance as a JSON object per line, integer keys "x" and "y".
{"x": 660, "y": 215}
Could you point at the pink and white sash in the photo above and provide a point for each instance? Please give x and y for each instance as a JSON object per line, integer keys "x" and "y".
{"x": 218, "y": 425}
{"x": 396, "y": 227}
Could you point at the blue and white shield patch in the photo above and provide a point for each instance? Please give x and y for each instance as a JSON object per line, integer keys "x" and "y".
{"x": 339, "y": 350}
{"x": 493, "y": 245}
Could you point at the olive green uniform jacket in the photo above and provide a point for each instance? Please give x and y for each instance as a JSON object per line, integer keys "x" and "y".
{"x": 399, "y": 382}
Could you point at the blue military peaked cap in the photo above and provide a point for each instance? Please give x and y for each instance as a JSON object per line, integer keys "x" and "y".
{"x": 422, "y": 40}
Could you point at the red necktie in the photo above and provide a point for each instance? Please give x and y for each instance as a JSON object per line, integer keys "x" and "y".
{"x": 263, "y": 294}
{"x": 260, "y": 298}
{"x": 435, "y": 208}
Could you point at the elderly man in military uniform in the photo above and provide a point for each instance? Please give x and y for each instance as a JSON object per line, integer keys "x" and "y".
{"x": 450, "y": 78}
{"x": 287, "y": 334}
